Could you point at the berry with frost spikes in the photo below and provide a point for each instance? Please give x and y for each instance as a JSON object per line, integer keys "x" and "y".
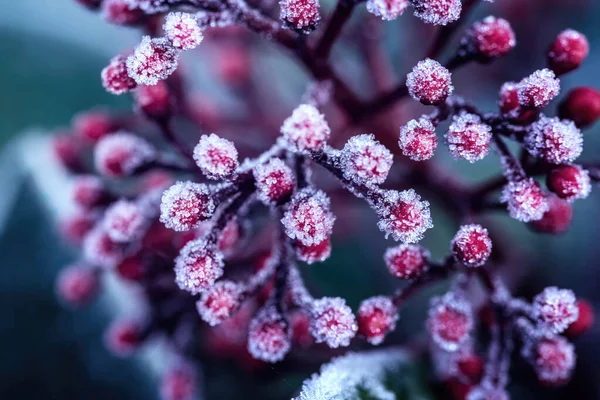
{"x": 120, "y": 154}
{"x": 553, "y": 140}
{"x": 491, "y": 38}
{"x": 300, "y": 14}
{"x": 275, "y": 181}
{"x": 487, "y": 392}
{"x": 306, "y": 129}
{"x": 468, "y": 137}
{"x": 429, "y": 82}
{"x": 92, "y": 125}
{"x": 556, "y": 219}
{"x": 332, "y": 322}
{"x": 123, "y": 337}
{"x": 197, "y": 267}
{"x": 365, "y": 160}
{"x": 219, "y": 302}
{"x": 450, "y": 321}
{"x": 178, "y": 383}
{"x": 376, "y": 317}
{"x": 471, "y": 245}
{"x": 115, "y": 78}
{"x": 582, "y": 106}
{"x": 154, "y": 101}
{"x": 77, "y": 285}
{"x": 76, "y": 226}
{"x": 121, "y": 12}
{"x": 269, "y": 336}
{"x": 89, "y": 191}
{"x": 185, "y": 205}
{"x": 407, "y": 261}
{"x": 525, "y": 199}
{"x": 308, "y": 218}
{"x": 152, "y": 61}
{"x": 182, "y": 30}
{"x": 131, "y": 268}
{"x": 437, "y": 12}
{"x": 509, "y": 97}
{"x": 418, "y": 140}
{"x": 314, "y": 253}
{"x": 553, "y": 359}
{"x": 216, "y": 157}
{"x": 404, "y": 216}
{"x": 556, "y": 308}
{"x": 584, "y": 321}
{"x": 99, "y": 249}
{"x": 568, "y": 51}
{"x": 388, "y": 10}
{"x": 124, "y": 221}
{"x": 538, "y": 89}
{"x": 569, "y": 182}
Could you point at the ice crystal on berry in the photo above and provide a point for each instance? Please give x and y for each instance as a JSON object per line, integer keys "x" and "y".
{"x": 406, "y": 261}
{"x": 314, "y": 253}
{"x": 124, "y": 221}
{"x": 77, "y": 285}
{"x": 437, "y": 12}
{"x": 376, "y": 317}
{"x": 526, "y": 200}
{"x": 197, "y": 267}
{"x": 308, "y": 218}
{"x": 269, "y": 336}
{"x": 538, "y": 89}
{"x": 365, "y": 160}
{"x": 429, "y": 82}
{"x": 219, "y": 302}
{"x": 492, "y": 37}
{"x": 556, "y": 308}
{"x": 182, "y": 30}
{"x": 418, "y": 140}
{"x": 388, "y": 10}
{"x": 569, "y": 182}
{"x": 120, "y": 154}
{"x": 568, "y": 51}
{"x": 216, "y": 157}
{"x": 509, "y": 97}
{"x": 300, "y": 14}
{"x": 89, "y": 191}
{"x": 404, "y": 216}
{"x": 92, "y": 126}
{"x": 154, "y": 101}
{"x": 153, "y": 60}
{"x": 450, "y": 321}
{"x": 333, "y": 322}
{"x": 185, "y": 205}
{"x": 468, "y": 137}
{"x": 99, "y": 249}
{"x": 121, "y": 12}
{"x": 553, "y": 359}
{"x": 306, "y": 129}
{"x": 554, "y": 141}
{"x": 471, "y": 245}
{"x": 115, "y": 78}
{"x": 275, "y": 181}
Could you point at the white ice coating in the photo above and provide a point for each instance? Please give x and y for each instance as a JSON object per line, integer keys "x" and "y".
{"x": 458, "y": 306}
{"x": 197, "y": 267}
{"x": 406, "y": 261}
{"x": 471, "y": 241}
{"x": 300, "y": 14}
{"x": 365, "y": 160}
{"x": 100, "y": 250}
{"x": 182, "y": 30}
{"x": 129, "y": 150}
{"x": 219, "y": 302}
{"x": 152, "y": 61}
{"x": 556, "y": 309}
{"x": 124, "y": 221}
{"x": 538, "y": 89}
{"x": 332, "y": 322}
{"x": 418, "y": 140}
{"x": 216, "y": 157}
{"x": 468, "y": 138}
{"x": 185, "y": 205}
{"x": 525, "y": 200}
{"x": 308, "y": 218}
{"x": 404, "y": 216}
{"x": 429, "y": 82}
{"x": 268, "y": 336}
{"x": 384, "y": 305}
{"x": 437, "y": 12}
{"x": 274, "y": 179}
{"x": 387, "y": 10}
{"x": 554, "y": 140}
{"x": 306, "y": 129}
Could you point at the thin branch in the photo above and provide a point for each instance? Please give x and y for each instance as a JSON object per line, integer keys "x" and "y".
{"x": 341, "y": 14}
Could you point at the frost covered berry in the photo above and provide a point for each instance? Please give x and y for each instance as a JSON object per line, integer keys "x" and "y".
{"x": 376, "y": 317}
{"x": 568, "y": 51}
{"x": 332, "y": 322}
{"x": 219, "y": 302}
{"x": 554, "y": 141}
{"x": 115, "y": 78}
{"x": 89, "y": 192}
{"x": 365, "y": 160}
{"x": 185, "y": 205}
{"x": 525, "y": 199}
{"x": 557, "y": 218}
{"x": 418, "y": 140}
{"x": 178, "y": 384}
{"x": 197, "y": 267}
{"x": 404, "y": 216}
{"x": 569, "y": 182}
{"x": 468, "y": 138}
{"x": 387, "y": 10}
{"x": 153, "y": 60}
{"x": 92, "y": 126}
{"x": 406, "y": 261}
{"x": 492, "y": 37}
{"x": 553, "y": 360}
{"x": 471, "y": 245}
{"x": 556, "y": 308}
{"x": 99, "y": 249}
{"x": 123, "y": 337}
{"x": 300, "y": 14}
{"x": 450, "y": 321}
{"x": 437, "y": 12}
{"x": 120, "y": 154}
{"x": 584, "y": 321}
{"x": 582, "y": 106}
{"x": 538, "y": 89}
{"x": 509, "y": 97}
{"x": 306, "y": 129}
{"x": 275, "y": 181}
{"x": 216, "y": 157}
{"x": 154, "y": 101}
{"x": 124, "y": 221}
{"x": 429, "y": 82}
{"x": 182, "y": 30}
{"x": 269, "y": 337}
{"x": 77, "y": 285}
{"x": 121, "y": 12}
{"x": 314, "y": 253}
{"x": 308, "y": 219}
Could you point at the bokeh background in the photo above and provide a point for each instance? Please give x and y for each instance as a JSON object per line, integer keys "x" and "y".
{"x": 51, "y": 55}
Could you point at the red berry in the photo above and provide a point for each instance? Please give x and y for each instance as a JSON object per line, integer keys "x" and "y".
{"x": 538, "y": 89}
{"x": 115, "y": 78}
{"x": 182, "y": 30}
{"x": 471, "y": 245}
{"x": 185, "y": 205}
{"x": 197, "y": 267}
{"x": 468, "y": 138}
{"x": 219, "y": 302}
{"x": 418, "y": 140}
{"x": 556, "y": 309}
{"x": 471, "y": 366}
{"x": 569, "y": 182}
{"x": 67, "y": 150}
{"x": 314, "y": 253}
{"x": 306, "y": 129}
{"x": 300, "y": 14}
{"x": 429, "y": 82}
{"x": 509, "y": 97}
{"x": 365, "y": 160}
{"x": 123, "y": 337}
{"x": 526, "y": 200}
{"x": 121, "y": 154}
{"x": 269, "y": 336}
{"x": 437, "y": 12}
{"x": 406, "y": 261}
{"x": 404, "y": 216}
{"x": 493, "y": 37}
{"x": 568, "y": 51}
{"x": 99, "y": 249}
{"x": 584, "y": 321}
{"x": 557, "y": 218}
{"x": 155, "y": 101}
{"x": 377, "y": 317}
{"x": 553, "y": 360}
{"x": 121, "y": 12}
{"x": 131, "y": 268}
{"x": 216, "y": 157}
{"x": 153, "y": 60}
{"x": 332, "y": 322}
{"x": 77, "y": 285}
{"x": 89, "y": 192}
{"x": 76, "y": 226}
{"x": 308, "y": 219}
{"x": 450, "y": 321}
{"x": 92, "y": 126}
{"x": 178, "y": 384}
{"x": 582, "y": 106}
{"x": 554, "y": 141}
{"x": 275, "y": 181}
{"x": 388, "y": 10}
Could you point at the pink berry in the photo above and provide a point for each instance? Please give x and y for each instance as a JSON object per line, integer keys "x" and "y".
{"x": 89, "y": 192}
{"x": 450, "y": 321}
{"x": 178, "y": 384}
{"x": 99, "y": 249}
{"x": 538, "y": 89}
{"x": 377, "y": 317}
{"x": 554, "y": 141}
{"x": 230, "y": 236}
{"x": 121, "y": 12}
{"x": 77, "y": 285}
{"x": 306, "y": 129}
{"x": 76, "y": 226}
{"x": 219, "y": 302}
{"x": 120, "y": 154}
{"x": 509, "y": 97}
{"x": 418, "y": 140}
{"x": 404, "y": 216}
{"x": 92, "y": 126}
{"x": 124, "y": 221}
{"x": 526, "y": 200}
{"x": 406, "y": 261}
{"x": 584, "y": 321}
{"x": 582, "y": 106}
{"x": 556, "y": 308}
{"x": 471, "y": 245}
{"x": 437, "y": 12}
{"x": 152, "y": 61}
{"x": 569, "y": 182}
{"x": 314, "y": 253}
{"x": 553, "y": 360}
{"x": 154, "y": 101}
{"x": 332, "y": 322}
{"x": 123, "y": 337}
{"x": 388, "y": 10}
{"x": 185, "y": 205}
{"x": 308, "y": 218}
{"x": 365, "y": 160}
{"x": 470, "y": 366}
{"x": 275, "y": 181}
{"x": 67, "y": 149}
{"x": 429, "y": 82}
{"x": 216, "y": 157}
{"x": 269, "y": 336}
{"x": 568, "y": 51}
{"x": 300, "y": 14}
{"x": 492, "y": 37}
{"x": 557, "y": 218}
{"x": 197, "y": 267}
{"x": 182, "y": 30}
{"x": 115, "y": 78}
{"x": 468, "y": 138}
{"x": 487, "y": 392}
